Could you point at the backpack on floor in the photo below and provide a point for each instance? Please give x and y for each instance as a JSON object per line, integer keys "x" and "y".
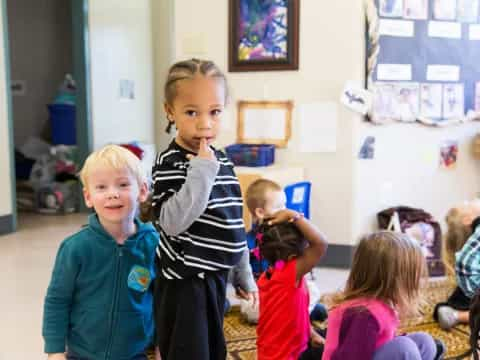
{"x": 420, "y": 225}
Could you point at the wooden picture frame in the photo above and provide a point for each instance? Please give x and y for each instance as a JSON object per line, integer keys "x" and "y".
{"x": 263, "y": 45}
{"x": 264, "y": 122}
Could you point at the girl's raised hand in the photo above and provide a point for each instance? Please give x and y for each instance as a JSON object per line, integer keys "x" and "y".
{"x": 285, "y": 215}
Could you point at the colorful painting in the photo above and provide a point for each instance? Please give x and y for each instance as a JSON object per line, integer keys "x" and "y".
{"x": 263, "y": 35}
{"x": 448, "y": 154}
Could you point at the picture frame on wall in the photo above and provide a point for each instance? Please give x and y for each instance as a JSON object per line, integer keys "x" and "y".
{"x": 263, "y": 35}
{"x": 264, "y": 122}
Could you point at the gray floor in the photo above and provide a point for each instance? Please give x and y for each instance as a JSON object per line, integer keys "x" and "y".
{"x": 27, "y": 258}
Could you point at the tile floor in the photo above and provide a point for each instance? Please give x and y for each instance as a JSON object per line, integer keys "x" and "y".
{"x": 27, "y": 258}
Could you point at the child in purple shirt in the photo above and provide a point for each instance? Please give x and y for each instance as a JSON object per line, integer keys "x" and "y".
{"x": 383, "y": 283}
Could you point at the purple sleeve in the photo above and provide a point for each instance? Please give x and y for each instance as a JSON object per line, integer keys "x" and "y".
{"x": 358, "y": 335}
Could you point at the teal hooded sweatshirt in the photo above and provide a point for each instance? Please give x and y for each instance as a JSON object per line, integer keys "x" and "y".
{"x": 99, "y": 301}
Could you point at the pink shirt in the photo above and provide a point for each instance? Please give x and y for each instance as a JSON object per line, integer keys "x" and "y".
{"x": 382, "y": 326}
{"x": 283, "y": 326}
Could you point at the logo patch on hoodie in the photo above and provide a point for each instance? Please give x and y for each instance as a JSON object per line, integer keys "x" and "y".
{"x": 139, "y": 278}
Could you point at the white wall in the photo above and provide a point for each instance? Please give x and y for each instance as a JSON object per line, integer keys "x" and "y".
{"x": 164, "y": 49}
{"x": 41, "y": 30}
{"x": 347, "y": 192}
{"x": 5, "y": 184}
{"x": 331, "y": 52}
{"x": 406, "y": 171}
{"x": 121, "y": 48}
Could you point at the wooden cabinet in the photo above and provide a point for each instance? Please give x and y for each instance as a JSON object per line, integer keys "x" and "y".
{"x": 283, "y": 175}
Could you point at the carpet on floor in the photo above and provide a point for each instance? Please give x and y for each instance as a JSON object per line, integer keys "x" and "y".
{"x": 241, "y": 336}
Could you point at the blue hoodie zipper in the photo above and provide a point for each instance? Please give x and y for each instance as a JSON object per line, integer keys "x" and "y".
{"x": 119, "y": 254}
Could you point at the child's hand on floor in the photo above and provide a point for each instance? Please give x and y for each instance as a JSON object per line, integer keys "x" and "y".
{"x": 251, "y": 297}
{"x": 204, "y": 151}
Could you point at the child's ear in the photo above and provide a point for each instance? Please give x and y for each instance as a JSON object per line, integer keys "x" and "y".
{"x": 87, "y": 198}
{"x": 467, "y": 220}
{"x": 259, "y": 213}
{"x": 169, "y": 112}
{"x": 143, "y": 193}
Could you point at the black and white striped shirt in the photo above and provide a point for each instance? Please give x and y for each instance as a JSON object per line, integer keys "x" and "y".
{"x": 198, "y": 211}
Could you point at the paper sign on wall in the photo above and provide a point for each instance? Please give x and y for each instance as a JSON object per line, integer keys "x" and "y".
{"x": 264, "y": 124}
{"x": 394, "y": 72}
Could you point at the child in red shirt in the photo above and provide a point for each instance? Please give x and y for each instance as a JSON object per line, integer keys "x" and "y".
{"x": 292, "y": 246}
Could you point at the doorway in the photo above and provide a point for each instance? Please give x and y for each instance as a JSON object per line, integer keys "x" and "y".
{"x": 44, "y": 40}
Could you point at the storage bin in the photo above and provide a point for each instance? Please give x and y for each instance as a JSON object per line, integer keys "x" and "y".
{"x": 62, "y": 119}
{"x": 250, "y": 154}
{"x": 57, "y": 197}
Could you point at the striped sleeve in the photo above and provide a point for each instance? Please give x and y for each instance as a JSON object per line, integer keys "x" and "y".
{"x": 167, "y": 179}
{"x": 198, "y": 210}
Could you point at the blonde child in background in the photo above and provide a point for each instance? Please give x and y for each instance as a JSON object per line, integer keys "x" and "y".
{"x": 383, "y": 284}
{"x": 463, "y": 248}
{"x": 99, "y": 301}
{"x": 264, "y": 198}
{"x": 292, "y": 246}
{"x": 197, "y": 204}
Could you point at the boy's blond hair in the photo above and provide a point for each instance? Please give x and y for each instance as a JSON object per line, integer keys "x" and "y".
{"x": 387, "y": 266}
{"x": 115, "y": 157}
{"x": 256, "y": 193}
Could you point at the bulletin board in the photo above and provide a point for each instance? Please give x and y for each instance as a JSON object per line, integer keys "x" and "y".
{"x": 423, "y": 60}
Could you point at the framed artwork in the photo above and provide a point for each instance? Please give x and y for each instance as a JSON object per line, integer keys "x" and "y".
{"x": 264, "y": 122}
{"x": 263, "y": 35}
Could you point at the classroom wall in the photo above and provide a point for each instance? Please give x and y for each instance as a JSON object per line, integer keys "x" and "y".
{"x": 40, "y": 34}
{"x": 330, "y": 54}
{"x": 347, "y": 192}
{"x": 406, "y": 171}
{"x": 5, "y": 179}
{"x": 121, "y": 49}
{"x": 163, "y": 52}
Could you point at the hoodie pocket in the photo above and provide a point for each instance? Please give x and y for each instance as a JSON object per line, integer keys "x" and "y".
{"x": 89, "y": 330}
{"x": 132, "y": 333}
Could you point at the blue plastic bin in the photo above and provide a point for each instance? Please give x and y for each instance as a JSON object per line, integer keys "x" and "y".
{"x": 251, "y": 155}
{"x": 62, "y": 119}
{"x": 298, "y": 197}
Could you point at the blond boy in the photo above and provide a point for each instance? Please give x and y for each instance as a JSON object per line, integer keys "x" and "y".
{"x": 99, "y": 301}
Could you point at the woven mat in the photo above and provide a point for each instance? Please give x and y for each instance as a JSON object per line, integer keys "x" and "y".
{"x": 241, "y": 336}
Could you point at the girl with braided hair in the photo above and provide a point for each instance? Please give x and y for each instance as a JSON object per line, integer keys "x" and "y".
{"x": 292, "y": 246}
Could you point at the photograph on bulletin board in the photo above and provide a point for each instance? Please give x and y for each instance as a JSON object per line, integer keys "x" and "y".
{"x": 423, "y": 61}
